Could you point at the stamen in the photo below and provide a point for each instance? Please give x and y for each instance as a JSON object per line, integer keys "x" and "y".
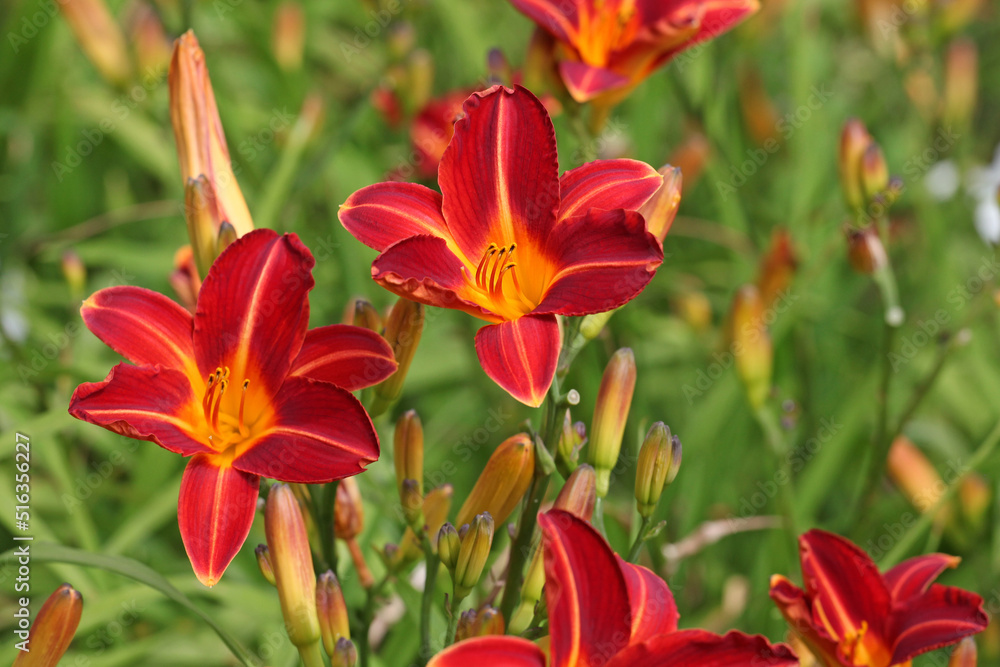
{"x": 208, "y": 393}
{"x": 243, "y": 400}
{"x": 499, "y": 284}
{"x": 483, "y": 263}
{"x": 496, "y": 265}
{"x": 218, "y": 401}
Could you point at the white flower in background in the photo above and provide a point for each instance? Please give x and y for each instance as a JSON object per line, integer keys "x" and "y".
{"x": 984, "y": 186}
{"x": 942, "y": 180}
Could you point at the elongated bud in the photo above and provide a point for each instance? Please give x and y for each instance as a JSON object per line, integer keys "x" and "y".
{"x": 437, "y": 504}
{"x": 614, "y": 398}
{"x": 345, "y": 654}
{"x": 661, "y": 209}
{"x": 974, "y": 499}
{"x": 472, "y": 555}
{"x": 288, "y": 35}
{"x": 361, "y": 313}
{"x": 291, "y": 559}
{"x": 915, "y": 476}
{"x": 403, "y": 329}
{"x": 100, "y": 37}
{"x": 676, "y": 453}
{"x": 777, "y": 268}
{"x": 479, "y": 623}
{"x": 408, "y": 450}
{"x": 874, "y": 172}
{"x": 412, "y": 502}
{"x": 348, "y": 513}
{"x": 961, "y": 82}
{"x": 464, "y": 628}
{"x": 865, "y": 250}
{"x": 503, "y": 482}
{"x": 854, "y": 140}
{"x": 185, "y": 278}
{"x": 448, "y": 545}
{"x": 964, "y": 654}
{"x": 53, "y": 629}
{"x": 227, "y": 234}
{"x": 653, "y": 468}
{"x": 74, "y": 272}
{"x": 334, "y": 621}
{"x": 264, "y": 563}
{"x": 202, "y": 151}
{"x": 752, "y": 346}
{"x": 571, "y": 441}
{"x": 148, "y": 38}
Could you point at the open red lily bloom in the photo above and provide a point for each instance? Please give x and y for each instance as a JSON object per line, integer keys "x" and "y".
{"x": 509, "y": 241}
{"x": 608, "y": 613}
{"x": 850, "y": 614}
{"x": 610, "y": 46}
{"x": 241, "y": 387}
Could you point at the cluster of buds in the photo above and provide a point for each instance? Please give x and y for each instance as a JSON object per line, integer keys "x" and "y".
{"x": 52, "y": 631}
{"x": 659, "y": 462}
{"x": 614, "y": 399}
{"x": 464, "y": 553}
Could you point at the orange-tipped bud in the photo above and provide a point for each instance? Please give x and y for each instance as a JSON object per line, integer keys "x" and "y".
{"x": 472, "y": 555}
{"x": 503, "y": 482}
{"x": 185, "y": 278}
{"x": 661, "y": 209}
{"x": 345, "y": 654}
{"x": 100, "y": 37}
{"x": 264, "y": 563}
{"x": 653, "y": 468}
{"x": 463, "y": 629}
{"x": 412, "y": 502}
{"x": 777, "y": 267}
{"x": 408, "y": 450}
{"x": 964, "y": 654}
{"x": 149, "y": 39}
{"x": 691, "y": 157}
{"x": 579, "y": 493}
{"x": 865, "y": 250}
{"x": 202, "y": 151}
{"x": 448, "y": 546}
{"x": 961, "y": 82}
{"x": 874, "y": 172}
{"x": 752, "y": 346}
{"x": 74, "y": 272}
{"x": 437, "y": 504}
{"x": 361, "y": 313}
{"x": 288, "y": 35}
{"x": 334, "y": 621}
{"x": 288, "y": 544}
{"x": 52, "y": 631}
{"x": 854, "y": 140}
{"x": 479, "y": 623}
{"x": 571, "y": 440}
{"x": 403, "y": 329}
{"x": 915, "y": 476}
{"x": 614, "y": 398}
{"x": 348, "y": 514}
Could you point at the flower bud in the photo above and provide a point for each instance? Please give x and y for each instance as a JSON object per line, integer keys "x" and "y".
{"x": 53, "y": 629}
{"x": 448, "y": 546}
{"x": 100, "y": 37}
{"x": 961, "y": 82}
{"x": 865, "y": 251}
{"x": 691, "y": 156}
{"x": 676, "y": 453}
{"x": 874, "y": 172}
{"x": 288, "y": 35}
{"x": 408, "y": 452}
{"x": 291, "y": 559}
{"x": 503, "y": 482}
{"x": 695, "y": 309}
{"x": 854, "y": 140}
{"x": 579, "y": 493}
{"x": 345, "y": 654}
{"x": 760, "y": 116}
{"x": 412, "y": 502}
{"x": 752, "y": 346}
{"x": 660, "y": 210}
{"x": 437, "y": 503}
{"x": 614, "y": 399}
{"x": 463, "y": 629}
{"x": 974, "y": 499}
{"x": 334, "y": 621}
{"x": 74, "y": 272}
{"x": 148, "y": 38}
{"x": 915, "y": 476}
{"x": 185, "y": 278}
{"x": 348, "y": 513}
{"x": 264, "y": 562}
{"x": 403, "y": 329}
{"x": 777, "y": 268}
{"x": 964, "y": 654}
{"x": 227, "y": 234}
{"x": 472, "y": 555}
{"x": 571, "y": 441}
{"x": 652, "y": 468}
{"x": 479, "y": 623}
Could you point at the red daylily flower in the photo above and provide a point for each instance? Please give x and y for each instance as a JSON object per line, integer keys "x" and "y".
{"x": 240, "y": 387}
{"x": 509, "y": 241}
{"x": 607, "y": 47}
{"x": 850, "y": 614}
{"x": 606, "y": 612}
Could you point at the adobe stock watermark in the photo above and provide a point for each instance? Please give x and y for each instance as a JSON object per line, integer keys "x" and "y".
{"x": 31, "y": 25}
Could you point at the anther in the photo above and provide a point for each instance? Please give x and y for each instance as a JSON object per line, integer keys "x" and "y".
{"x": 243, "y": 400}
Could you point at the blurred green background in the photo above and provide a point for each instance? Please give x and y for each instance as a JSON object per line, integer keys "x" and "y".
{"x": 89, "y": 168}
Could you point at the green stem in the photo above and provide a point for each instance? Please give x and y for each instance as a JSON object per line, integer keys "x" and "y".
{"x": 427, "y": 601}
{"x": 598, "y": 518}
{"x": 776, "y": 442}
{"x": 323, "y": 503}
{"x": 311, "y": 655}
{"x": 640, "y": 539}
{"x": 454, "y": 608}
{"x": 882, "y": 442}
{"x": 367, "y": 614}
{"x": 924, "y": 387}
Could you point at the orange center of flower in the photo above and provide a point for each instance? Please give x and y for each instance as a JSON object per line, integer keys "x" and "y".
{"x": 609, "y": 26}
{"x": 860, "y": 646}
{"x": 230, "y": 421}
{"x": 491, "y": 285}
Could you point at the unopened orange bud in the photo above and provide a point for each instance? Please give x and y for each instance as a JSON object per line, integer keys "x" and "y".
{"x": 614, "y": 398}
{"x": 503, "y": 482}
{"x": 291, "y": 558}
{"x": 264, "y": 563}
{"x": 53, "y": 629}
{"x": 854, "y": 140}
{"x": 961, "y": 82}
{"x": 403, "y": 329}
{"x": 777, "y": 268}
{"x": 149, "y": 39}
{"x": 661, "y": 209}
{"x": 752, "y": 345}
{"x": 479, "y": 623}
{"x": 74, "y": 272}
{"x": 408, "y": 450}
{"x": 579, "y": 493}
{"x": 874, "y": 172}
{"x": 472, "y": 555}
{"x": 348, "y": 514}
{"x": 964, "y": 654}
{"x": 100, "y": 37}
{"x": 915, "y": 476}
{"x": 463, "y": 629}
{"x": 412, "y": 502}
{"x": 437, "y": 504}
{"x": 334, "y": 621}
{"x": 865, "y": 251}
{"x": 571, "y": 440}
{"x": 288, "y": 35}
{"x": 652, "y": 468}
{"x": 345, "y": 654}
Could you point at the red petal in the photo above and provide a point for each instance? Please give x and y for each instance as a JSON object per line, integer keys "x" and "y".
{"x": 794, "y": 606}
{"x": 143, "y": 326}
{"x": 843, "y": 582}
{"x": 215, "y": 511}
{"x": 521, "y": 355}
{"x": 941, "y": 616}
{"x": 653, "y": 609}
{"x": 423, "y": 269}
{"x": 253, "y": 308}
{"x": 585, "y": 82}
{"x": 382, "y": 214}
{"x": 350, "y": 357}
{"x": 558, "y": 18}
{"x": 321, "y": 433}
{"x": 914, "y": 576}
{"x": 607, "y": 184}
{"x": 500, "y": 176}
{"x": 154, "y": 404}
{"x": 492, "y": 650}
{"x": 604, "y": 259}
{"x": 588, "y": 606}
{"x": 698, "y": 648}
